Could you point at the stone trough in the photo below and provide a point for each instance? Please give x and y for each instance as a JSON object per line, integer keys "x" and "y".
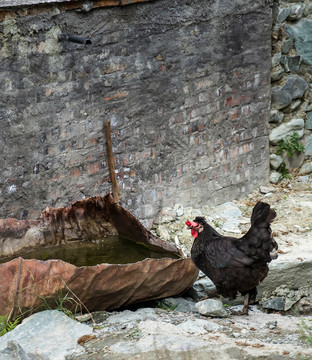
{"x": 26, "y": 284}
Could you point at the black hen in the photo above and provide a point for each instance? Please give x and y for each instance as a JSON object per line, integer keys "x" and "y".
{"x": 235, "y": 265}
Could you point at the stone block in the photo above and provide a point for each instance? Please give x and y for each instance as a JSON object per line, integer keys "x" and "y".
{"x": 291, "y": 63}
{"x": 276, "y": 116}
{"x": 287, "y": 45}
{"x": 275, "y": 161}
{"x": 293, "y": 88}
{"x": 301, "y": 32}
{"x": 296, "y": 12}
{"x": 293, "y": 162}
{"x": 287, "y": 129}
{"x": 306, "y": 169}
{"x": 275, "y": 177}
{"x": 308, "y": 145}
{"x": 309, "y": 121}
{"x": 283, "y": 14}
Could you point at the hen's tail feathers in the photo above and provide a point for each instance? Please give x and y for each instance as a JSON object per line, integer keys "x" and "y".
{"x": 262, "y": 213}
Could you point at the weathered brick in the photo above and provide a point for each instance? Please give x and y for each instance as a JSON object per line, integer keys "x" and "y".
{"x": 94, "y": 168}
{"x": 75, "y": 172}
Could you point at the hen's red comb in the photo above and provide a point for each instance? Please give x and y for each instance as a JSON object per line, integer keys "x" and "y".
{"x": 190, "y": 223}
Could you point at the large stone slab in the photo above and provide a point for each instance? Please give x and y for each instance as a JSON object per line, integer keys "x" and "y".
{"x": 50, "y": 335}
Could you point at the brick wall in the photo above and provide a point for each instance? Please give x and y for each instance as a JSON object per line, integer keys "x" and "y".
{"x": 186, "y": 86}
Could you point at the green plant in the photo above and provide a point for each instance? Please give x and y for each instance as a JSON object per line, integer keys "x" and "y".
{"x": 7, "y": 325}
{"x": 217, "y": 223}
{"x": 134, "y": 333}
{"x": 284, "y": 171}
{"x": 164, "y": 306}
{"x": 63, "y": 303}
{"x": 290, "y": 144}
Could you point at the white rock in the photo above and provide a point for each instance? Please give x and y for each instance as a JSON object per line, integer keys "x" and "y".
{"x": 128, "y": 316}
{"x": 231, "y": 225}
{"x": 58, "y": 332}
{"x": 275, "y": 161}
{"x": 267, "y": 189}
{"x": 275, "y": 177}
{"x": 211, "y": 307}
{"x": 228, "y": 210}
{"x": 198, "y": 326}
{"x": 306, "y": 169}
{"x": 287, "y": 129}
{"x": 180, "y": 212}
{"x": 163, "y": 233}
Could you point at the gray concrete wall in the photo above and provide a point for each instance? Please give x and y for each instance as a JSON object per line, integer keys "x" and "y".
{"x": 186, "y": 86}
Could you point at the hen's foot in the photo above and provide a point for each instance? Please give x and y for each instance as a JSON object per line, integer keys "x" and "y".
{"x": 242, "y": 312}
{"x": 245, "y": 307}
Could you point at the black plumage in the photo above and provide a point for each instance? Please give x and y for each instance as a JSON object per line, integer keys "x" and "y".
{"x": 235, "y": 264}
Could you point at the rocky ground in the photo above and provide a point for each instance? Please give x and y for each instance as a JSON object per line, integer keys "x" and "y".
{"x": 292, "y": 201}
{"x": 279, "y": 327}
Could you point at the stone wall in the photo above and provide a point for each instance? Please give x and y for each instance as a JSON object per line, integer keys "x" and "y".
{"x": 186, "y": 86}
{"x": 291, "y": 84}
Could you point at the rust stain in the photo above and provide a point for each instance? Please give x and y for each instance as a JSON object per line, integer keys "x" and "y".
{"x": 118, "y": 95}
{"x": 72, "y": 5}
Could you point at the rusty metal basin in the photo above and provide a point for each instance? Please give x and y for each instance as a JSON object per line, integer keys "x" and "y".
{"x": 25, "y": 285}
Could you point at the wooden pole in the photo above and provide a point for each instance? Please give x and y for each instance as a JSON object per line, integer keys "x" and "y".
{"x": 111, "y": 160}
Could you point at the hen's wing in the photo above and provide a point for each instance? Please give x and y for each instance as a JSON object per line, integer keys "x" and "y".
{"x": 223, "y": 252}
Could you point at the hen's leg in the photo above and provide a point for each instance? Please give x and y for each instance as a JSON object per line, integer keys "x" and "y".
{"x": 244, "y": 311}
{"x": 246, "y": 305}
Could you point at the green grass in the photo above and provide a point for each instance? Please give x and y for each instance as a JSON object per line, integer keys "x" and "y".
{"x": 64, "y": 303}
{"x": 284, "y": 171}
{"x": 161, "y": 305}
{"x": 7, "y": 325}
